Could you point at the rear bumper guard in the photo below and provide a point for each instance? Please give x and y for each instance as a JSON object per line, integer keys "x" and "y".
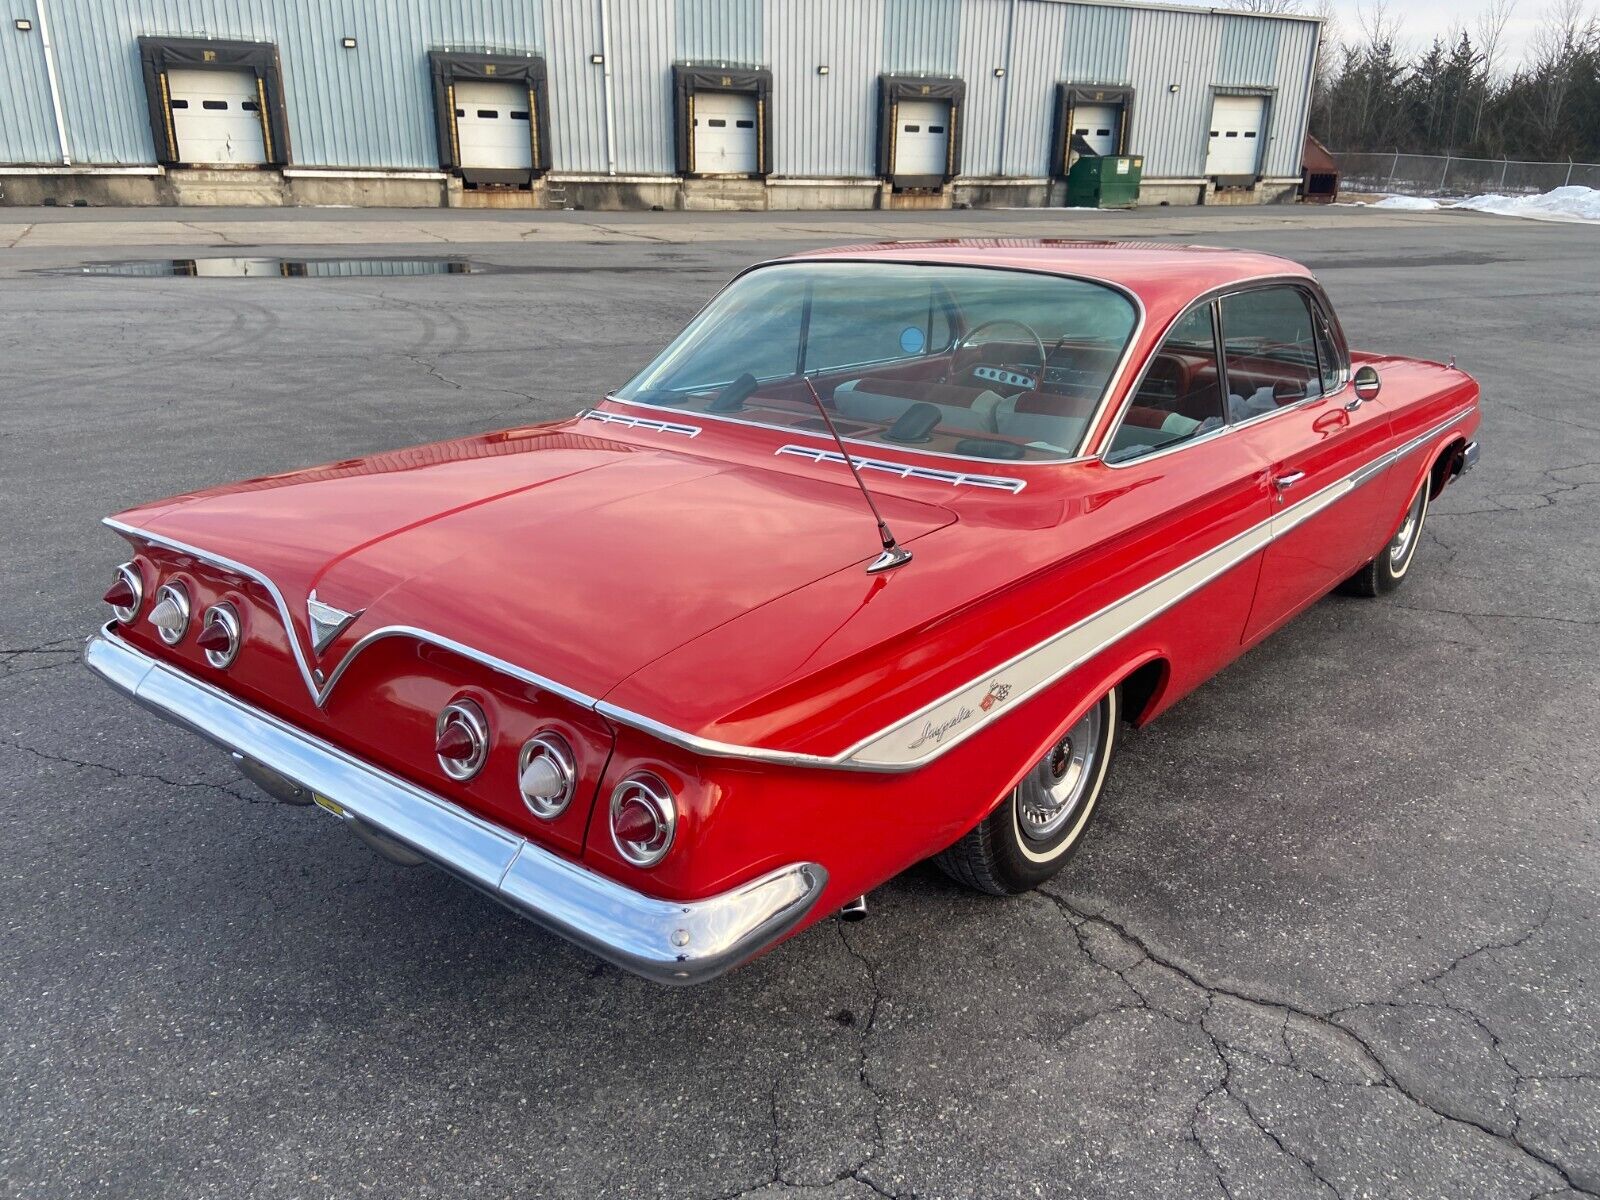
{"x": 664, "y": 940}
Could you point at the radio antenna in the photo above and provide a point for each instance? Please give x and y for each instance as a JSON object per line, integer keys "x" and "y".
{"x": 894, "y": 554}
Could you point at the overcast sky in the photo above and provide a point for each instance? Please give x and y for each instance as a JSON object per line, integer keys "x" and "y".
{"x": 1422, "y": 20}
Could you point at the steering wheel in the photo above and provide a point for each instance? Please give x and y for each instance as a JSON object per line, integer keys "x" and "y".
{"x": 964, "y": 345}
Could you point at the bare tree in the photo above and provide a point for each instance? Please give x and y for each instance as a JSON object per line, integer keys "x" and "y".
{"x": 1563, "y": 34}
{"x": 1492, "y": 22}
{"x": 1267, "y": 6}
{"x": 1325, "y": 69}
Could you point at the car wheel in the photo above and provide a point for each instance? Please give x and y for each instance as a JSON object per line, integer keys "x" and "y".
{"x": 1030, "y": 836}
{"x": 1388, "y": 571}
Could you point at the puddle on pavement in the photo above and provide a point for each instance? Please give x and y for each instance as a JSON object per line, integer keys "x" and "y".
{"x": 275, "y": 268}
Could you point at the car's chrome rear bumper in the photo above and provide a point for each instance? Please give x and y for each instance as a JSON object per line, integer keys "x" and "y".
{"x": 669, "y": 941}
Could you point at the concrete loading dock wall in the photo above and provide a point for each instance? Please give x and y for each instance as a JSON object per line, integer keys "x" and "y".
{"x": 606, "y": 121}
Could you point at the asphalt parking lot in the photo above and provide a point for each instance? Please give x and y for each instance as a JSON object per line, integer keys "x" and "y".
{"x": 1337, "y": 932}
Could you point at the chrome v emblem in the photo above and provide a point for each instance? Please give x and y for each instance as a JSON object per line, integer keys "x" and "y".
{"x": 327, "y": 622}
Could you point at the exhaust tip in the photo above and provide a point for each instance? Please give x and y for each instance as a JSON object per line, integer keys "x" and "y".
{"x": 856, "y": 910}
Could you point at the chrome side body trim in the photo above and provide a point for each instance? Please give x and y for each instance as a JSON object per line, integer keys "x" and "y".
{"x": 665, "y": 940}
{"x": 937, "y": 727}
{"x": 949, "y": 721}
{"x": 609, "y": 418}
{"x": 907, "y": 470}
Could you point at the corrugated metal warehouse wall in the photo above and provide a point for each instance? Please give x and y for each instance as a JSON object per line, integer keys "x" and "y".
{"x": 27, "y": 126}
{"x": 371, "y": 107}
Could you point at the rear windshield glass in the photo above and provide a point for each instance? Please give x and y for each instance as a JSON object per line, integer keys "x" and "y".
{"x": 971, "y": 361}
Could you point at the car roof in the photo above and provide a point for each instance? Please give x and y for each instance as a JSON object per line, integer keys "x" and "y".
{"x": 1162, "y": 274}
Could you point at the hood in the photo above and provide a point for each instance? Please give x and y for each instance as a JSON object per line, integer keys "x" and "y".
{"x": 579, "y": 558}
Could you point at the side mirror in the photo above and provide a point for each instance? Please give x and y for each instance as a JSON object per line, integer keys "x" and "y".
{"x": 1367, "y": 383}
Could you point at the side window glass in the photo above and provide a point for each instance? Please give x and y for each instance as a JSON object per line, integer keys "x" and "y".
{"x": 1179, "y": 397}
{"x": 1269, "y": 351}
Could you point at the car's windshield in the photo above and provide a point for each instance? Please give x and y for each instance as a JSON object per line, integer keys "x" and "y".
{"x": 973, "y": 361}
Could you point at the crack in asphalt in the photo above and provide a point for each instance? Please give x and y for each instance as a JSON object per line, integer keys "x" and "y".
{"x": 216, "y": 233}
{"x": 432, "y": 370}
{"x": 857, "y": 1171}
{"x": 1224, "y": 1083}
{"x": 1361, "y": 1049}
{"x": 66, "y": 645}
{"x": 120, "y": 773}
{"x": 1546, "y": 417}
{"x": 1497, "y": 616}
{"x": 863, "y": 1065}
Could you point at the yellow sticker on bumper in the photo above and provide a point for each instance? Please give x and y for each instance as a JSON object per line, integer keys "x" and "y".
{"x": 323, "y": 802}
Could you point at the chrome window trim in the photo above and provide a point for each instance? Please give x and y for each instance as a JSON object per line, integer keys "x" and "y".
{"x": 1313, "y": 293}
{"x": 853, "y": 758}
{"x": 1113, "y": 381}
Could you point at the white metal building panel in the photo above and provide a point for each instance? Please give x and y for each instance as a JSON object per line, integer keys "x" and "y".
{"x": 725, "y": 135}
{"x": 922, "y": 137}
{"x": 1236, "y": 135}
{"x": 216, "y": 116}
{"x": 1097, "y": 124}
{"x": 492, "y": 125}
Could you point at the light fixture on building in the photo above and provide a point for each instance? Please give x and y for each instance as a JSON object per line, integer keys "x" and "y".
{"x": 999, "y": 72}
{"x": 597, "y": 59}
{"x": 24, "y": 25}
{"x": 348, "y": 43}
{"x": 1173, "y": 88}
{"x": 822, "y": 69}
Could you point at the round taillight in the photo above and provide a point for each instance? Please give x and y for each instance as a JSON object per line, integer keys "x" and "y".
{"x": 462, "y": 740}
{"x": 126, "y": 593}
{"x": 643, "y": 819}
{"x": 219, "y": 636}
{"x": 170, "y": 616}
{"x": 547, "y": 775}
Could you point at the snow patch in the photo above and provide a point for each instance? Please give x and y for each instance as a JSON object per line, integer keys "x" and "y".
{"x": 1406, "y": 203}
{"x": 1563, "y": 204}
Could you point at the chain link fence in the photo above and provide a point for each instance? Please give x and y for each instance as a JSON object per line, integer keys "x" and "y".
{"x": 1448, "y": 176}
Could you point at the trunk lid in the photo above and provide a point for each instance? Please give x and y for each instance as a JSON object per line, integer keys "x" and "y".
{"x": 579, "y": 558}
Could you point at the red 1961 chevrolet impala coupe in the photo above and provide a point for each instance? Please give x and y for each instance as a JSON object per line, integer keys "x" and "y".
{"x": 868, "y": 566}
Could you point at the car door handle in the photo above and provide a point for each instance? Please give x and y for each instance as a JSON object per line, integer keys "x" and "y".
{"x": 1284, "y": 482}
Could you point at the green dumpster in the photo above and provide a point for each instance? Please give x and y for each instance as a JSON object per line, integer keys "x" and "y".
{"x": 1108, "y": 181}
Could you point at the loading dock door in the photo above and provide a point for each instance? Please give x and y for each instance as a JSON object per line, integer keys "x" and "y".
{"x": 725, "y": 141}
{"x": 216, "y": 117}
{"x": 1234, "y": 147}
{"x": 922, "y": 137}
{"x": 492, "y": 126}
{"x": 1098, "y": 124}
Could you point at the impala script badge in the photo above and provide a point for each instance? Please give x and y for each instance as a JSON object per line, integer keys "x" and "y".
{"x": 936, "y": 733}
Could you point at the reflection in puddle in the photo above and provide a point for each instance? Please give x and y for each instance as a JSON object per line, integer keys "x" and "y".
{"x": 278, "y": 268}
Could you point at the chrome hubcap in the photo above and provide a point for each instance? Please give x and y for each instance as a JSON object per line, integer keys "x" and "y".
{"x": 1054, "y": 791}
{"x": 1400, "y": 548}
